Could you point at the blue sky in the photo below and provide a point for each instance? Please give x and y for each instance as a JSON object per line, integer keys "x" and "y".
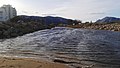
{"x": 85, "y": 10}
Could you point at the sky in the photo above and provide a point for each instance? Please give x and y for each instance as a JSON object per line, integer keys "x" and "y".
{"x": 85, "y": 10}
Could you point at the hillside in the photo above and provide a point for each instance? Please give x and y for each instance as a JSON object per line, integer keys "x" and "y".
{"x": 108, "y": 20}
{"x": 107, "y": 23}
{"x": 21, "y": 25}
{"x": 46, "y": 20}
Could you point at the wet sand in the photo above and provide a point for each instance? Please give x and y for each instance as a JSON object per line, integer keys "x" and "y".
{"x": 10, "y": 62}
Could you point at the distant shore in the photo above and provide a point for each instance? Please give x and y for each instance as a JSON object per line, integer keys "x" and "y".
{"x": 11, "y": 62}
{"x": 98, "y": 26}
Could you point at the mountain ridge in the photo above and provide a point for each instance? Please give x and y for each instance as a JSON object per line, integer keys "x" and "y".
{"x": 108, "y": 20}
{"x": 47, "y": 20}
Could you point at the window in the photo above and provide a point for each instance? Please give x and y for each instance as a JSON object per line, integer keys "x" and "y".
{"x": 1, "y": 17}
{"x": 1, "y": 11}
{"x": 1, "y": 14}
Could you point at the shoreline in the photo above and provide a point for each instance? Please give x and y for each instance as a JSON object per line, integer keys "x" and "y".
{"x": 98, "y": 26}
{"x": 16, "y": 62}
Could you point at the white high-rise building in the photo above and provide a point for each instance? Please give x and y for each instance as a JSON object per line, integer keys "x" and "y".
{"x": 7, "y": 12}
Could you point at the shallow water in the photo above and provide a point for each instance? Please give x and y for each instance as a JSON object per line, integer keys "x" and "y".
{"x": 76, "y": 47}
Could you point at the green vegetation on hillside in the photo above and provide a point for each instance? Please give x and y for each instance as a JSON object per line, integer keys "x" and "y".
{"x": 13, "y": 29}
{"x": 21, "y": 25}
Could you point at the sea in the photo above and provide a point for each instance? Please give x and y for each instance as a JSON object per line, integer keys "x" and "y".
{"x": 75, "y": 47}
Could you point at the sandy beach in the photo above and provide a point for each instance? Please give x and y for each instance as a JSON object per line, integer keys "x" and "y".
{"x": 11, "y": 62}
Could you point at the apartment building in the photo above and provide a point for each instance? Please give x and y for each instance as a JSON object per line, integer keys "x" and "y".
{"x": 7, "y": 12}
